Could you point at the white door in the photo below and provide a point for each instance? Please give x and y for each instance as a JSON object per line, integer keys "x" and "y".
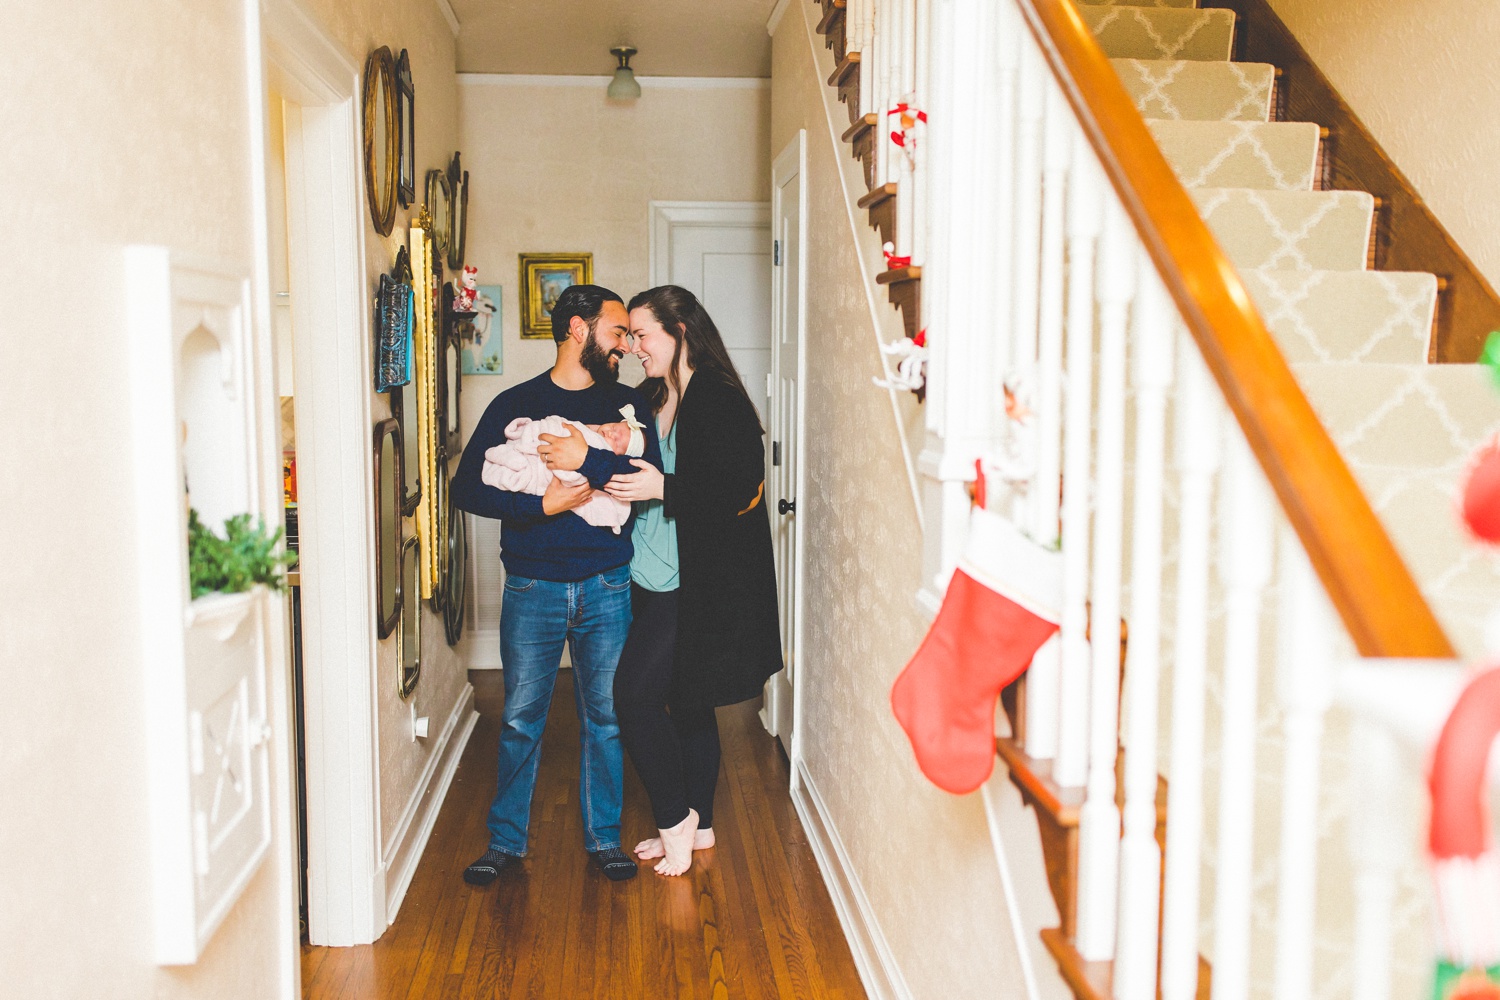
{"x": 788, "y": 298}
{"x": 721, "y": 252}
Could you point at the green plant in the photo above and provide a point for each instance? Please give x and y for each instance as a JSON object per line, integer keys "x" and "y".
{"x": 244, "y": 557}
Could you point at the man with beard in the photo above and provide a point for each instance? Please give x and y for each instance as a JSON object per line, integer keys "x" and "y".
{"x": 566, "y": 581}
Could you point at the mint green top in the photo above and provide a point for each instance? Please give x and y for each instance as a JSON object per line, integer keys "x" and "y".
{"x": 654, "y": 565}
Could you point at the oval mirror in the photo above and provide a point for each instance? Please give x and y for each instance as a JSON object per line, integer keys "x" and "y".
{"x": 458, "y": 221}
{"x": 409, "y": 622}
{"x": 382, "y": 138}
{"x": 458, "y": 576}
{"x": 403, "y": 400}
{"x": 440, "y": 538}
{"x": 387, "y": 525}
{"x": 440, "y": 207}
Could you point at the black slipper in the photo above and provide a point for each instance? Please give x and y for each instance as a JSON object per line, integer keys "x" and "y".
{"x": 488, "y": 867}
{"x": 614, "y": 864}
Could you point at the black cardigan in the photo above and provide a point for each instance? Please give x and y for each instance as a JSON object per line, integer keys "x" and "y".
{"x": 728, "y": 633}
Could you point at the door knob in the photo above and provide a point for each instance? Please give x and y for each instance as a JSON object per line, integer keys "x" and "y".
{"x": 783, "y": 507}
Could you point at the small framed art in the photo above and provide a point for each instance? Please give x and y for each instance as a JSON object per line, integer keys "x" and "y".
{"x": 544, "y": 276}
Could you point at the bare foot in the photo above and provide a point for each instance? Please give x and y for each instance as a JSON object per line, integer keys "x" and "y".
{"x": 678, "y": 844}
{"x": 648, "y": 849}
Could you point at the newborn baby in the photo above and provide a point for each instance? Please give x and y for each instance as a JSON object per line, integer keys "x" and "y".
{"x": 516, "y": 466}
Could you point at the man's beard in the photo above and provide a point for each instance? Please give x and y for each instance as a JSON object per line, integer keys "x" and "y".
{"x": 598, "y": 364}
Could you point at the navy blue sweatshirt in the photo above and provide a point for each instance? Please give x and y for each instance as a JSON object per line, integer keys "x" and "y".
{"x": 563, "y": 547}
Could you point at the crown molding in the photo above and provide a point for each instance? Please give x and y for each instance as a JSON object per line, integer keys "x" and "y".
{"x": 775, "y": 18}
{"x": 646, "y": 82}
{"x": 449, "y": 16}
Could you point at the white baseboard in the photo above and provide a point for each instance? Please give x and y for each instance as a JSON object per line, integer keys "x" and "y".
{"x": 410, "y": 837}
{"x": 872, "y": 955}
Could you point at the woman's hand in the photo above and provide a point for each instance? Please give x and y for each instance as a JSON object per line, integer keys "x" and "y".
{"x": 566, "y": 453}
{"x": 647, "y": 484}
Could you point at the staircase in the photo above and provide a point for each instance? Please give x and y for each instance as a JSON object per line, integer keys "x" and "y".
{"x": 1358, "y": 342}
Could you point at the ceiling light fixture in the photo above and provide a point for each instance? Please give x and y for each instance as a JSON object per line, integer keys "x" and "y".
{"x": 624, "y": 86}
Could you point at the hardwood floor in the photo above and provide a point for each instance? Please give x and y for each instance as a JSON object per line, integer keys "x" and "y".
{"x": 751, "y": 920}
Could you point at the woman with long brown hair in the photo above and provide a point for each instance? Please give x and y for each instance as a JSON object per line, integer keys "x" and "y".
{"x": 704, "y": 630}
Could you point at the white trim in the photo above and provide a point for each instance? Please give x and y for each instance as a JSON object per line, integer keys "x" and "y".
{"x": 860, "y": 234}
{"x": 646, "y": 82}
{"x": 664, "y": 216}
{"x": 873, "y": 959}
{"x": 409, "y": 840}
{"x": 449, "y": 16}
{"x": 326, "y": 252}
{"x": 774, "y": 21}
{"x": 479, "y": 649}
{"x": 281, "y": 747}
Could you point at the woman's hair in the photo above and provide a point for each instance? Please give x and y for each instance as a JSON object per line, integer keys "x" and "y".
{"x": 681, "y": 314}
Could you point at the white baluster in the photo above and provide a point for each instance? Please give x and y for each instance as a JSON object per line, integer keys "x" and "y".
{"x": 1099, "y": 820}
{"x": 922, "y": 96}
{"x": 861, "y": 28}
{"x": 1140, "y": 857}
{"x": 1376, "y": 838}
{"x": 903, "y": 84}
{"x": 1042, "y": 679}
{"x": 885, "y": 12}
{"x": 1031, "y": 77}
{"x": 1304, "y": 686}
{"x": 1245, "y": 550}
{"x": 1085, "y": 189}
{"x": 996, "y": 263}
{"x": 934, "y": 222}
{"x": 1197, "y": 418}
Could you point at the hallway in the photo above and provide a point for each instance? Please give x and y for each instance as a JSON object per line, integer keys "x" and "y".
{"x": 751, "y": 920}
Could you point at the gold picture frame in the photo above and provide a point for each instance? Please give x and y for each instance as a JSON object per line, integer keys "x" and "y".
{"x": 543, "y": 278}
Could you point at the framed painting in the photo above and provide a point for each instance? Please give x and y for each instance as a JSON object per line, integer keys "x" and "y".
{"x": 483, "y": 354}
{"x": 544, "y": 276}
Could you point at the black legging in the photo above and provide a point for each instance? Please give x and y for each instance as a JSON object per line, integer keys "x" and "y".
{"x": 676, "y": 754}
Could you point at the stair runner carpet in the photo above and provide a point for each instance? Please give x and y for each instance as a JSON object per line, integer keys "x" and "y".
{"x": 1356, "y": 339}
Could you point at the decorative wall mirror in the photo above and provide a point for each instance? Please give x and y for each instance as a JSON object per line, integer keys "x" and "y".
{"x": 458, "y": 575}
{"x": 409, "y": 622}
{"x": 449, "y": 376}
{"x": 440, "y": 207}
{"x": 387, "y": 525}
{"x": 458, "y": 212}
{"x": 406, "y": 118}
{"x": 403, "y": 402}
{"x": 440, "y": 539}
{"x": 382, "y": 138}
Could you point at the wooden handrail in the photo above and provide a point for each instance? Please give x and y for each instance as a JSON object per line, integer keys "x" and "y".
{"x": 1353, "y": 556}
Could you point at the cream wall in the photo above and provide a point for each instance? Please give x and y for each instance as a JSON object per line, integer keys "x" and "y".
{"x": 123, "y": 123}
{"x": 1421, "y": 77}
{"x": 923, "y": 856}
{"x": 559, "y": 169}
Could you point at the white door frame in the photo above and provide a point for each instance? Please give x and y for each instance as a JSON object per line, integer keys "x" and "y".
{"x": 665, "y": 216}
{"x": 792, "y": 161}
{"x": 326, "y": 257}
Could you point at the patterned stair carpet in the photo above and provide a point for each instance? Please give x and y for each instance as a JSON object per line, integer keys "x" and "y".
{"x": 1357, "y": 339}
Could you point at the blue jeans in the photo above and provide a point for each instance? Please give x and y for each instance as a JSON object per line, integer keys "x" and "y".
{"x": 536, "y": 618}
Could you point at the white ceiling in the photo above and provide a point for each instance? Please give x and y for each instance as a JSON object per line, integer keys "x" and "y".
{"x": 675, "y": 37}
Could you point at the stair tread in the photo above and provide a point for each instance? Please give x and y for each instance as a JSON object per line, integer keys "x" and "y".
{"x": 1277, "y": 155}
{"x": 1297, "y": 230}
{"x": 1347, "y": 316}
{"x": 1188, "y": 90}
{"x": 1161, "y": 32}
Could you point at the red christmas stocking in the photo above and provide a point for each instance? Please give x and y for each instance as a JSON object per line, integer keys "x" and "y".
{"x": 1001, "y": 606}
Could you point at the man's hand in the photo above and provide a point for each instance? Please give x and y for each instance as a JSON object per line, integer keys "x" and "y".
{"x": 566, "y": 453}
{"x": 644, "y": 484}
{"x": 561, "y": 497}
